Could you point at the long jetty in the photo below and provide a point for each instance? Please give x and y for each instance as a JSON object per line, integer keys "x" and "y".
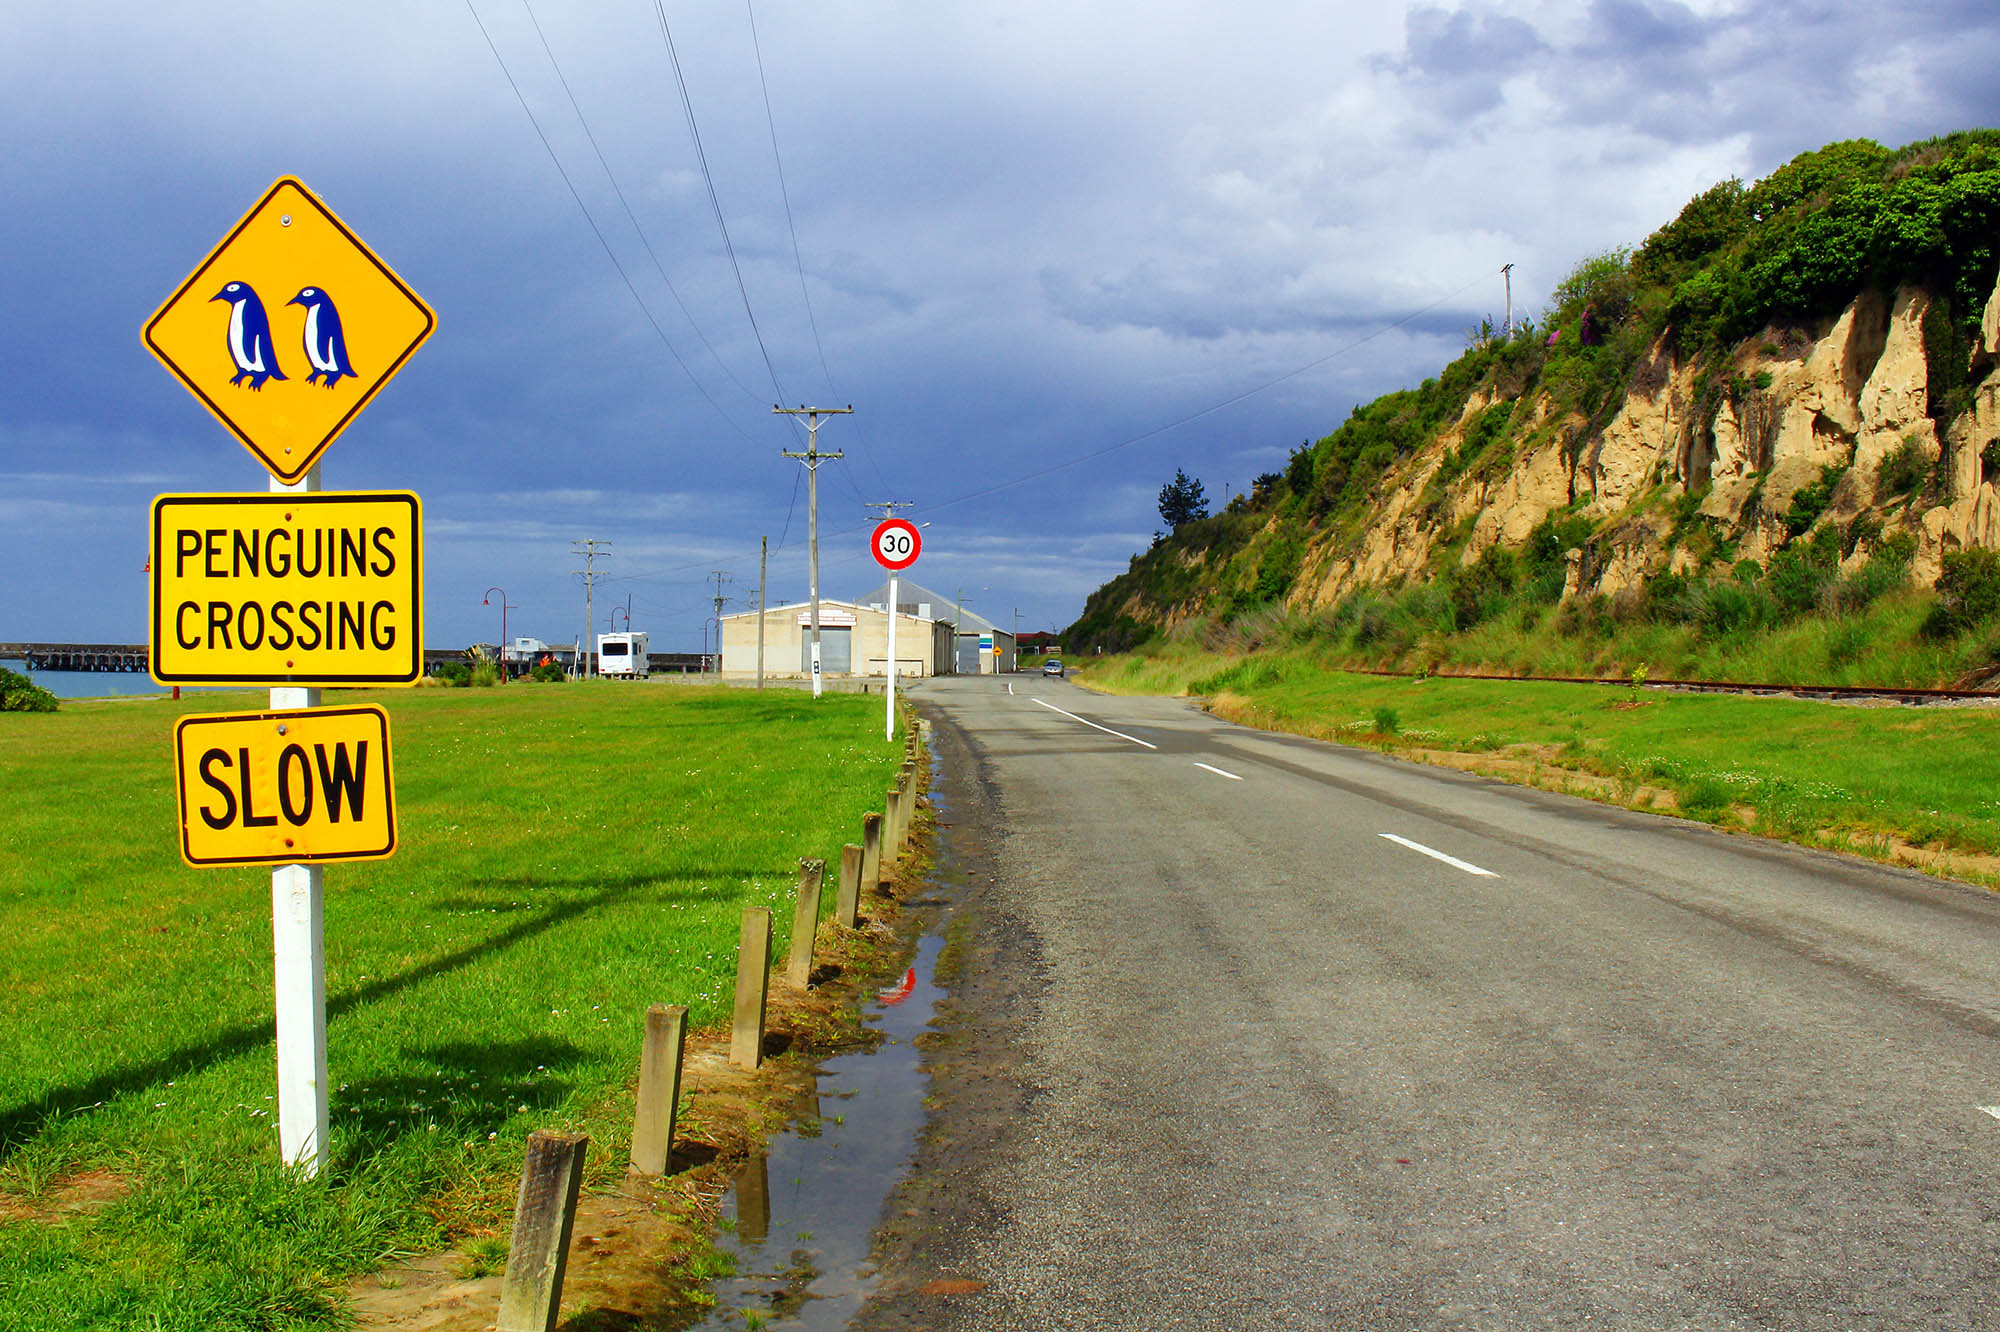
{"x": 132, "y": 657}
{"x": 77, "y": 656}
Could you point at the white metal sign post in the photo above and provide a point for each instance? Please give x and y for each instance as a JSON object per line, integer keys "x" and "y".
{"x": 298, "y": 939}
{"x": 896, "y": 545}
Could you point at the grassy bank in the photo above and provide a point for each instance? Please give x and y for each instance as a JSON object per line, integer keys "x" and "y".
{"x": 568, "y": 855}
{"x": 1900, "y": 783}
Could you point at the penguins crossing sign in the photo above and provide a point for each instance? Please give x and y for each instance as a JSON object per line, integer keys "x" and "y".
{"x": 294, "y": 589}
{"x": 288, "y": 329}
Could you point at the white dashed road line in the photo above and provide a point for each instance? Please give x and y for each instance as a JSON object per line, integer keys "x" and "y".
{"x": 1453, "y": 861}
{"x": 1088, "y": 722}
{"x": 1219, "y": 772}
{"x": 1993, "y": 1110}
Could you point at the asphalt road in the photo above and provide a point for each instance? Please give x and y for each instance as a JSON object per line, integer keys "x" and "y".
{"x": 1223, "y": 1054}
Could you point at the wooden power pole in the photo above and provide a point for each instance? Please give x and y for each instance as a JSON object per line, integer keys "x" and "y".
{"x": 812, "y": 458}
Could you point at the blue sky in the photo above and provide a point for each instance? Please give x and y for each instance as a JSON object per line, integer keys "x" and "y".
{"x": 1012, "y": 235}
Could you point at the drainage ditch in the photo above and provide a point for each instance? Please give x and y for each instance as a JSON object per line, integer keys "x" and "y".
{"x": 801, "y": 1215}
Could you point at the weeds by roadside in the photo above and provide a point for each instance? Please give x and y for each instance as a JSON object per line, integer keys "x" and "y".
{"x": 1914, "y": 785}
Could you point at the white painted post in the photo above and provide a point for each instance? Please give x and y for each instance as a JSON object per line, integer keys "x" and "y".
{"x": 889, "y": 721}
{"x": 298, "y": 938}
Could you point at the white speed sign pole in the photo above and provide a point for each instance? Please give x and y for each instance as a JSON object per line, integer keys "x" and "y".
{"x": 896, "y": 545}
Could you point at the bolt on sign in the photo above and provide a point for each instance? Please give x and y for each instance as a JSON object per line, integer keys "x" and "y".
{"x": 288, "y": 329}
{"x": 297, "y": 589}
{"x": 285, "y": 788}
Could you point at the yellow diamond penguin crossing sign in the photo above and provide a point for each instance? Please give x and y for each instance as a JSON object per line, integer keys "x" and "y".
{"x": 285, "y": 788}
{"x": 288, "y": 329}
{"x": 288, "y": 588}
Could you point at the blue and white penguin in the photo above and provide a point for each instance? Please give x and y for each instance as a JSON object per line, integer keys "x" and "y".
{"x": 249, "y": 336}
{"x": 326, "y": 345}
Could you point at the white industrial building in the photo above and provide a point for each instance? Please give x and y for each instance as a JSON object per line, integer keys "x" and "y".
{"x": 982, "y": 647}
{"x": 853, "y": 642}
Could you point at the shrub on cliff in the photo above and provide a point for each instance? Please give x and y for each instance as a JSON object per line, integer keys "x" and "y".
{"x": 1968, "y": 592}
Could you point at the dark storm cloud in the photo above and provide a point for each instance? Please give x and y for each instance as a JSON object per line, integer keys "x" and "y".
{"x": 1786, "y": 75}
{"x": 1460, "y": 58}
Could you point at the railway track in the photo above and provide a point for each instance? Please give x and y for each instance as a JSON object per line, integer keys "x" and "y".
{"x": 1830, "y": 693}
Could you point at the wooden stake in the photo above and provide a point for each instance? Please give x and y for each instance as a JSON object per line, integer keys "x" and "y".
{"x": 753, "y": 988}
{"x": 871, "y": 849}
{"x": 531, "y": 1290}
{"x": 892, "y": 830}
{"x": 847, "y": 905}
{"x": 659, "y": 1088}
{"x": 805, "y": 921}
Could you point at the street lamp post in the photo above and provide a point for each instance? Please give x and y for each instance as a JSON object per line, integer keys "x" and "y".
{"x": 487, "y": 600}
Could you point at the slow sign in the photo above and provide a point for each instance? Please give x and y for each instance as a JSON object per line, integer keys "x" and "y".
{"x": 299, "y": 589}
{"x": 284, "y": 788}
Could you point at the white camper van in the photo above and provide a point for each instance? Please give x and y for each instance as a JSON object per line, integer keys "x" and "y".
{"x": 622, "y": 656}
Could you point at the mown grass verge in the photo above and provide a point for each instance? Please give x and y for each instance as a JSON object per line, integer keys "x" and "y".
{"x": 1919, "y": 786}
{"x": 567, "y": 857}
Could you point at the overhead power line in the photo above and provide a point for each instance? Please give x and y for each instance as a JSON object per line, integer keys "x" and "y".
{"x": 597, "y": 231}
{"x": 771, "y": 123}
{"x": 714, "y": 200}
{"x": 624, "y": 203}
{"x": 798, "y": 260}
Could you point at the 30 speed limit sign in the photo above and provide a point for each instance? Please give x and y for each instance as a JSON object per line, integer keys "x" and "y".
{"x": 896, "y": 544}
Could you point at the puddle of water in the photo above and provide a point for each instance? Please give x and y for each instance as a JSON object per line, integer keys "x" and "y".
{"x": 804, "y": 1212}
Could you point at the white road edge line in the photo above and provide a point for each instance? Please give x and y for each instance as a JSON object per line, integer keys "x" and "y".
{"x": 1088, "y": 722}
{"x": 1218, "y": 772}
{"x": 1453, "y": 861}
{"x": 1993, "y": 1110}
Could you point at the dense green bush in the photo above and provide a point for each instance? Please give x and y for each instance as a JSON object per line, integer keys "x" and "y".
{"x": 1968, "y": 592}
{"x": 1801, "y": 573}
{"x": 1278, "y": 570}
{"x": 20, "y": 694}
{"x": 547, "y": 673}
{"x": 1810, "y": 501}
{"x": 1712, "y": 220}
{"x": 1902, "y": 470}
{"x": 455, "y": 673}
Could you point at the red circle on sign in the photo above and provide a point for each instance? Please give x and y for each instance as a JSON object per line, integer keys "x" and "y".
{"x": 896, "y": 544}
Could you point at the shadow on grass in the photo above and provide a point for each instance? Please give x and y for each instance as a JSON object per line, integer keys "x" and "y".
{"x": 477, "y": 1088}
{"x": 21, "y": 1123}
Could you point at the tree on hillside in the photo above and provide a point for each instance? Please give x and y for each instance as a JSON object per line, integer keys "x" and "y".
{"x": 1182, "y": 500}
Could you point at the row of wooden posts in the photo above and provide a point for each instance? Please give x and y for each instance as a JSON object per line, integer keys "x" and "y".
{"x": 552, "y": 1175}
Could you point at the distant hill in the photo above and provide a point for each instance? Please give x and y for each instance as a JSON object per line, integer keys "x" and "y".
{"x": 1783, "y": 404}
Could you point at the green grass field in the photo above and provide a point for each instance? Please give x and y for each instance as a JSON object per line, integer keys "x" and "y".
{"x": 567, "y": 855}
{"x": 1806, "y": 771}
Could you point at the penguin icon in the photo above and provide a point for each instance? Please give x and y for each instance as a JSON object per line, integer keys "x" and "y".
{"x": 249, "y": 336}
{"x": 326, "y": 345}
